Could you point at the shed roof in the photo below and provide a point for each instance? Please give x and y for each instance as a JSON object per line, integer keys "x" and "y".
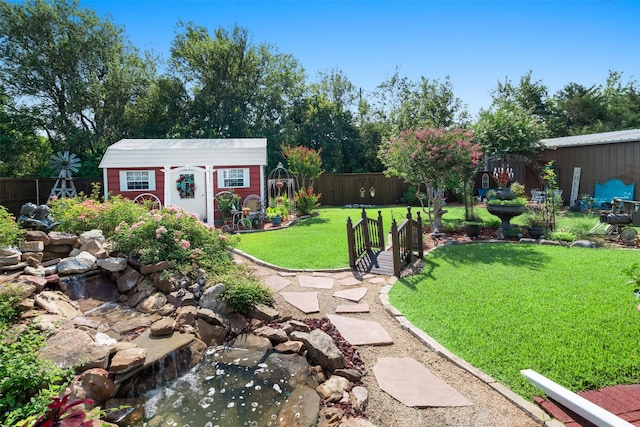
{"x": 593, "y": 139}
{"x": 135, "y": 153}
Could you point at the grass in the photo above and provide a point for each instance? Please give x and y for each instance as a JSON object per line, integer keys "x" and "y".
{"x": 565, "y": 313}
{"x": 319, "y": 242}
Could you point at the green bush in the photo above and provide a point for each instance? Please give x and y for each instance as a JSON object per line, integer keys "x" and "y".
{"x": 79, "y": 214}
{"x": 242, "y": 297}
{"x": 10, "y": 232}
{"x": 563, "y": 236}
{"x": 306, "y": 201}
{"x": 173, "y": 234}
{"x": 518, "y": 189}
{"x": 9, "y": 311}
{"x": 27, "y": 383}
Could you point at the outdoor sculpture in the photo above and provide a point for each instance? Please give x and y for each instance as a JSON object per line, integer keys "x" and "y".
{"x": 34, "y": 217}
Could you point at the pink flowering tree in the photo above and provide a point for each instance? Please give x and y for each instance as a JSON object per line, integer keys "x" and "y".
{"x": 434, "y": 159}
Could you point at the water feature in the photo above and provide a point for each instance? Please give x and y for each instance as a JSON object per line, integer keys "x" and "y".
{"x": 230, "y": 387}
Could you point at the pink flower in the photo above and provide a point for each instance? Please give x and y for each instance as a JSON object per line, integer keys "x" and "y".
{"x": 137, "y": 225}
{"x": 638, "y": 307}
{"x": 222, "y": 237}
{"x": 161, "y": 230}
{"x": 156, "y": 217}
{"x": 175, "y": 239}
{"x": 185, "y": 244}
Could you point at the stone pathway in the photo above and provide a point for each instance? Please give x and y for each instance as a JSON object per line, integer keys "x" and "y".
{"x": 402, "y": 379}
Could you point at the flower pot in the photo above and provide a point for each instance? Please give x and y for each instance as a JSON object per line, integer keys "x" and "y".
{"x": 535, "y": 232}
{"x": 473, "y": 230}
{"x": 276, "y": 221}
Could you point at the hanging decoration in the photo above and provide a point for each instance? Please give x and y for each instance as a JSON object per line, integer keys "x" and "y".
{"x": 186, "y": 186}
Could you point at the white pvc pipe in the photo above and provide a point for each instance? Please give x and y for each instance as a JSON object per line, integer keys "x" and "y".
{"x": 581, "y": 406}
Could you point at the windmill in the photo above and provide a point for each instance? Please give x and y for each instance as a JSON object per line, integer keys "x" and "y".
{"x": 62, "y": 165}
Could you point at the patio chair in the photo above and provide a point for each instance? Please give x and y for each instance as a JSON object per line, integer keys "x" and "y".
{"x": 253, "y": 202}
{"x": 537, "y": 196}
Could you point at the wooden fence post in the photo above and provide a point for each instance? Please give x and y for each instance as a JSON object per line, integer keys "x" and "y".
{"x": 381, "y": 238}
{"x": 409, "y": 227}
{"x": 395, "y": 248}
{"x": 351, "y": 243}
{"x": 365, "y": 230}
{"x": 420, "y": 237}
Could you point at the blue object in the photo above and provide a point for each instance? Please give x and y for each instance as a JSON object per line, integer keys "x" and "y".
{"x": 604, "y": 193}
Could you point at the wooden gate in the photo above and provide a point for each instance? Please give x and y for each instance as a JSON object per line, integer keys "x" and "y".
{"x": 367, "y": 249}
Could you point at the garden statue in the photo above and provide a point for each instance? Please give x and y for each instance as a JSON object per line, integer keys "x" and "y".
{"x": 34, "y": 217}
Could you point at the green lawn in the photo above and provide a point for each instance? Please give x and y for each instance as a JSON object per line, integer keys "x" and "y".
{"x": 566, "y": 313}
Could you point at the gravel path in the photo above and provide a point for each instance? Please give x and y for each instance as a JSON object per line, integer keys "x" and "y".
{"x": 490, "y": 408}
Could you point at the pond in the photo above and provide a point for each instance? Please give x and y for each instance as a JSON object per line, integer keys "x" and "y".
{"x": 230, "y": 387}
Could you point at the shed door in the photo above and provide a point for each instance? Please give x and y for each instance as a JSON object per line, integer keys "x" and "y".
{"x": 189, "y": 191}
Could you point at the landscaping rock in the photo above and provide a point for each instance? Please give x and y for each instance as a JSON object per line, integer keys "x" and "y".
{"x": 57, "y": 238}
{"x": 323, "y": 351}
{"x": 74, "y": 348}
{"x": 163, "y": 327}
{"x": 276, "y": 336}
{"x": 128, "y": 279}
{"x": 359, "y": 399}
{"x": 583, "y": 244}
{"x": 301, "y": 409}
{"x": 55, "y": 302}
{"x": 333, "y": 389}
{"x": 92, "y": 384}
{"x": 112, "y": 264}
{"x": 289, "y": 347}
{"x": 127, "y": 360}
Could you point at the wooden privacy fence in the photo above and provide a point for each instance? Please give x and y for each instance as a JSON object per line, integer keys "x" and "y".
{"x": 366, "y": 243}
{"x": 15, "y": 192}
{"x": 359, "y": 188}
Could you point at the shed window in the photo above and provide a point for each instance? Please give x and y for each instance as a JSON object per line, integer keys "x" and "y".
{"x": 233, "y": 178}
{"x": 137, "y": 180}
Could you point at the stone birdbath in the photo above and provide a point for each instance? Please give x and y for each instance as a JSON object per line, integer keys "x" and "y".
{"x": 506, "y": 207}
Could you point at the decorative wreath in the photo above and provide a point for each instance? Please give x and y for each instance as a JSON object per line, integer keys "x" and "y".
{"x": 186, "y": 186}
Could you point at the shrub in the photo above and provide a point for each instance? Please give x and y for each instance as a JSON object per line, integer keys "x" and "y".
{"x": 173, "y": 234}
{"x": 10, "y": 232}
{"x": 9, "y": 311}
{"x": 79, "y": 214}
{"x": 242, "y": 297}
{"x": 306, "y": 201}
{"x": 27, "y": 383}
{"x": 518, "y": 189}
{"x": 563, "y": 236}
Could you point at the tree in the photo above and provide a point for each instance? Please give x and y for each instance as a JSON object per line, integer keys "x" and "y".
{"x": 433, "y": 158}
{"x": 236, "y": 88}
{"x": 71, "y": 72}
{"x": 509, "y": 128}
{"x": 304, "y": 163}
{"x": 24, "y": 152}
{"x": 404, "y": 104}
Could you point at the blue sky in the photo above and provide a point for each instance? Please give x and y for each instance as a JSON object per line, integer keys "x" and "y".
{"x": 477, "y": 43}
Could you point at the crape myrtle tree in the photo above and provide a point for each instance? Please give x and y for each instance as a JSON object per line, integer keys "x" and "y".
{"x": 435, "y": 159}
{"x": 304, "y": 163}
{"x": 73, "y": 73}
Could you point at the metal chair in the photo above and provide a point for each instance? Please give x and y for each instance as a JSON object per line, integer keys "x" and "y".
{"x": 254, "y": 209}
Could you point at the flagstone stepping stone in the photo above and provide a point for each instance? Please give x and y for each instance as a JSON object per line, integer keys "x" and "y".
{"x": 319, "y": 282}
{"x": 287, "y": 273}
{"x": 344, "y": 274}
{"x": 408, "y": 381}
{"x": 307, "y": 302}
{"x": 355, "y": 294}
{"x": 353, "y": 308}
{"x": 277, "y": 283}
{"x": 360, "y": 332}
{"x": 350, "y": 281}
{"x": 377, "y": 280}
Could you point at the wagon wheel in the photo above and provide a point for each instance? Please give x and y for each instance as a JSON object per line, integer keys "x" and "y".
{"x": 628, "y": 235}
{"x": 226, "y": 228}
{"x": 148, "y": 199}
{"x": 244, "y": 224}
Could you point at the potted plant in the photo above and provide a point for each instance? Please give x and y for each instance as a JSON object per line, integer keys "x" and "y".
{"x": 275, "y": 214}
{"x": 505, "y": 205}
{"x": 535, "y": 223}
{"x": 473, "y": 227}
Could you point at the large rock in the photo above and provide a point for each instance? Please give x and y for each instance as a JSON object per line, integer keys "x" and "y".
{"x": 210, "y": 299}
{"x": 276, "y": 336}
{"x": 322, "y": 350}
{"x": 92, "y": 384}
{"x": 359, "y": 399}
{"x": 55, "y": 302}
{"x": 57, "y": 238}
{"x": 126, "y": 360}
{"x": 154, "y": 268}
{"x": 128, "y": 279}
{"x": 333, "y": 389}
{"x": 32, "y": 246}
{"x": 152, "y": 303}
{"x": 301, "y": 408}
{"x": 36, "y": 235}
{"x": 74, "y": 347}
{"x": 212, "y": 335}
{"x": 81, "y": 263}
{"x": 112, "y": 264}
{"x": 163, "y": 327}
